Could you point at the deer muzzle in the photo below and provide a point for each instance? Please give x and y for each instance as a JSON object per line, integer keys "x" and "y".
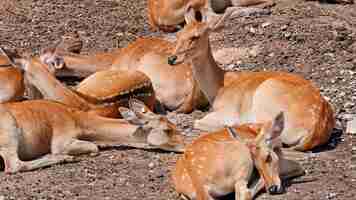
{"x": 274, "y": 189}
{"x": 172, "y": 59}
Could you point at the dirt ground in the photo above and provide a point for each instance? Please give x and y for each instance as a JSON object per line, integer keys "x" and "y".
{"x": 315, "y": 40}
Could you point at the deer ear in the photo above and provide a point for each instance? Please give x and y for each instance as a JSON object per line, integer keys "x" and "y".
{"x": 140, "y": 109}
{"x": 217, "y": 22}
{"x": 252, "y": 146}
{"x": 14, "y": 60}
{"x": 233, "y": 133}
{"x": 277, "y": 126}
{"x": 189, "y": 15}
{"x": 50, "y": 57}
{"x": 130, "y": 116}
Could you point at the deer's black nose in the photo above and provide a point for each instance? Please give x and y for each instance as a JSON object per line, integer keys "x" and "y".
{"x": 274, "y": 189}
{"x": 172, "y": 60}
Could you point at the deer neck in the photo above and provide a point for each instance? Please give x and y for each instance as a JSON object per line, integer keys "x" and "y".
{"x": 53, "y": 89}
{"x": 110, "y": 131}
{"x": 207, "y": 73}
{"x": 84, "y": 65}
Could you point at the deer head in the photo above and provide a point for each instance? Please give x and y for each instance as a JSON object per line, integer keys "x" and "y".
{"x": 157, "y": 129}
{"x": 53, "y": 60}
{"x": 266, "y": 152}
{"x": 30, "y": 64}
{"x": 194, "y": 38}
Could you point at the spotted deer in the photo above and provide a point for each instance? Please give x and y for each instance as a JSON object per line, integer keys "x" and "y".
{"x": 40, "y": 133}
{"x": 168, "y": 15}
{"x": 222, "y": 162}
{"x": 39, "y": 72}
{"x": 253, "y": 97}
{"x": 174, "y": 88}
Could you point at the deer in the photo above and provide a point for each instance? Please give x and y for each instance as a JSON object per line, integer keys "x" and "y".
{"x": 101, "y": 95}
{"x": 147, "y": 55}
{"x": 218, "y": 163}
{"x": 253, "y": 97}
{"x": 168, "y": 15}
{"x": 40, "y": 133}
{"x": 12, "y": 86}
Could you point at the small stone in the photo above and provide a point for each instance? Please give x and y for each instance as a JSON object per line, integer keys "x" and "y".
{"x": 284, "y": 27}
{"x": 151, "y": 165}
{"x": 351, "y": 126}
{"x": 266, "y": 24}
{"x": 253, "y": 30}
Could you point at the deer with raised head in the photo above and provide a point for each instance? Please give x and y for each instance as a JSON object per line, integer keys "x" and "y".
{"x": 222, "y": 162}
{"x": 40, "y": 133}
{"x": 253, "y": 97}
{"x": 174, "y": 88}
{"x": 100, "y": 93}
{"x": 12, "y": 86}
{"x": 168, "y": 15}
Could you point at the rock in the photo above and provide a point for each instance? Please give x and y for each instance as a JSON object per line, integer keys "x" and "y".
{"x": 351, "y": 126}
{"x": 266, "y": 24}
{"x": 284, "y": 27}
{"x": 227, "y": 56}
{"x": 151, "y": 165}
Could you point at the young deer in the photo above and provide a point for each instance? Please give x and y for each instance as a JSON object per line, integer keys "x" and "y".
{"x": 38, "y": 72}
{"x": 175, "y": 88}
{"x": 12, "y": 86}
{"x": 221, "y": 162}
{"x": 39, "y": 133}
{"x": 253, "y": 97}
{"x": 167, "y": 15}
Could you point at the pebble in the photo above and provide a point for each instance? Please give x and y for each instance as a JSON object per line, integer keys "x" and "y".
{"x": 151, "y": 165}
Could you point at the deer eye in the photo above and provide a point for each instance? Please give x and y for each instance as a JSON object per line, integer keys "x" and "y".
{"x": 195, "y": 38}
{"x": 268, "y": 158}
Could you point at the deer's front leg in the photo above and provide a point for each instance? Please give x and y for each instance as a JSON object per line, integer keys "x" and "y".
{"x": 241, "y": 191}
{"x": 13, "y": 164}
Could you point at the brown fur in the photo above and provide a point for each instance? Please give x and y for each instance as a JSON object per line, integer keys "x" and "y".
{"x": 166, "y": 15}
{"x": 38, "y": 74}
{"x": 218, "y": 163}
{"x": 147, "y": 55}
{"x": 39, "y": 133}
{"x": 255, "y": 97}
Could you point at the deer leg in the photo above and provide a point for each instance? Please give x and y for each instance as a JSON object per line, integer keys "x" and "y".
{"x": 11, "y": 161}
{"x": 257, "y": 187}
{"x": 241, "y": 191}
{"x": 77, "y": 147}
{"x": 204, "y": 196}
{"x": 13, "y": 164}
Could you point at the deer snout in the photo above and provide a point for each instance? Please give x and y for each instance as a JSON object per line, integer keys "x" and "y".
{"x": 172, "y": 59}
{"x": 274, "y": 189}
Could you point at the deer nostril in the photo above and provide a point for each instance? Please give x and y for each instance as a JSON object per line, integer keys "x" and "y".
{"x": 274, "y": 189}
{"x": 172, "y": 60}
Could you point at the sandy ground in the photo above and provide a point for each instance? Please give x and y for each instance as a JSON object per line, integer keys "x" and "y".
{"x": 317, "y": 41}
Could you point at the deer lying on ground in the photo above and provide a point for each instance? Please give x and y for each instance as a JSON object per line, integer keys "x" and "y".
{"x": 221, "y": 162}
{"x": 39, "y": 133}
{"x": 175, "y": 88}
{"x": 253, "y": 97}
{"x": 100, "y": 93}
{"x": 12, "y": 86}
{"x": 167, "y": 15}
